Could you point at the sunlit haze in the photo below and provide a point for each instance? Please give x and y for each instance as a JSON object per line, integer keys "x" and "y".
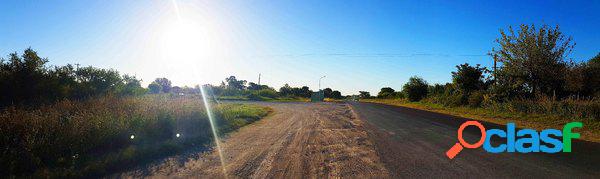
{"x": 299, "y": 89}
{"x": 376, "y": 44}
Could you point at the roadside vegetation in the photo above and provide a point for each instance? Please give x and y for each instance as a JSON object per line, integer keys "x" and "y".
{"x": 234, "y": 89}
{"x": 70, "y": 121}
{"x": 535, "y": 84}
{"x": 107, "y": 134}
{"x": 27, "y": 80}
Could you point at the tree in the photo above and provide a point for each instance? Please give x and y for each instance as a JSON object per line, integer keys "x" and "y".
{"x": 364, "y": 94}
{"x": 592, "y": 76}
{"x": 469, "y": 78}
{"x": 386, "y": 92}
{"x": 286, "y": 90}
{"x": 583, "y": 79}
{"x": 534, "y": 60}
{"x": 26, "y": 80}
{"x": 154, "y": 88}
{"x": 176, "y": 90}
{"x": 254, "y": 86}
{"x": 132, "y": 87}
{"x": 96, "y": 81}
{"x": 305, "y": 92}
{"x": 62, "y": 83}
{"x": 23, "y": 78}
{"x": 233, "y": 83}
{"x": 336, "y": 95}
{"x": 437, "y": 89}
{"x": 327, "y": 92}
{"x": 165, "y": 84}
{"x": 210, "y": 90}
{"x": 416, "y": 88}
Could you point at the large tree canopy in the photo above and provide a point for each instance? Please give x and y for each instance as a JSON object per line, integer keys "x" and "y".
{"x": 26, "y": 80}
{"x": 534, "y": 59}
{"x": 469, "y": 78}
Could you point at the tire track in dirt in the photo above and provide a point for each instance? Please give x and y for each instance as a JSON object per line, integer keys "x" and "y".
{"x": 299, "y": 140}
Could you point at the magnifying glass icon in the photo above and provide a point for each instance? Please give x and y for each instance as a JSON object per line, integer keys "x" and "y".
{"x": 462, "y": 143}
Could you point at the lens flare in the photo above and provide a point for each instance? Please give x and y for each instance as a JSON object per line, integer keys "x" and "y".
{"x": 203, "y": 91}
{"x": 213, "y": 127}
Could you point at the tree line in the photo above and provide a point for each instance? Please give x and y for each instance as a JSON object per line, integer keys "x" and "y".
{"x": 533, "y": 63}
{"x": 231, "y": 86}
{"x": 27, "y": 80}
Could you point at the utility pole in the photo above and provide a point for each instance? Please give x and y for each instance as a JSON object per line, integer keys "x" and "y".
{"x": 259, "y": 79}
{"x": 320, "y": 82}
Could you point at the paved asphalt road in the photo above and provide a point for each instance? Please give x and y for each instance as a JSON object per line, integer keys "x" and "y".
{"x": 412, "y": 143}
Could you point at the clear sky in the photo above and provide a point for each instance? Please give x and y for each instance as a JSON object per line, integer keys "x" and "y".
{"x": 358, "y": 45}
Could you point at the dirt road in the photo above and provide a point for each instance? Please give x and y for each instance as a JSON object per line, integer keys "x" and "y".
{"x": 299, "y": 140}
{"x": 363, "y": 140}
{"x": 412, "y": 143}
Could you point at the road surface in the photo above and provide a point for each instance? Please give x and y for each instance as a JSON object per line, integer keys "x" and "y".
{"x": 299, "y": 140}
{"x": 412, "y": 143}
{"x": 363, "y": 140}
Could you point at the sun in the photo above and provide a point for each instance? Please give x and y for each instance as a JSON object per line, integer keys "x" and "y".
{"x": 186, "y": 42}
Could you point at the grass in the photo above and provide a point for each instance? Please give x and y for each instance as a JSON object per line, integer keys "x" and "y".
{"x": 332, "y": 100}
{"x": 523, "y": 118}
{"x": 93, "y": 138}
{"x": 239, "y": 98}
{"x": 262, "y": 98}
{"x": 290, "y": 99}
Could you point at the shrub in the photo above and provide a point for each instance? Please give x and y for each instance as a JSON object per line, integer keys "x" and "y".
{"x": 269, "y": 93}
{"x": 475, "y": 99}
{"x": 574, "y": 109}
{"x": 231, "y": 92}
{"x": 386, "y": 92}
{"x": 416, "y": 88}
{"x": 399, "y": 94}
{"x": 456, "y": 99}
{"x": 255, "y": 97}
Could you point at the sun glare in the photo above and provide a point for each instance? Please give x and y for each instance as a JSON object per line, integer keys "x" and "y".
{"x": 185, "y": 42}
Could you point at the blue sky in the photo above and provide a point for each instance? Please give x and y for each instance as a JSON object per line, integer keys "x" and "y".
{"x": 358, "y": 45}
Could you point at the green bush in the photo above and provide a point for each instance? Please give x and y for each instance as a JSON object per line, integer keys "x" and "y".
{"x": 231, "y": 92}
{"x": 475, "y": 99}
{"x": 575, "y": 109}
{"x": 399, "y": 95}
{"x": 456, "y": 99}
{"x": 268, "y": 93}
{"x": 255, "y": 97}
{"x": 416, "y": 88}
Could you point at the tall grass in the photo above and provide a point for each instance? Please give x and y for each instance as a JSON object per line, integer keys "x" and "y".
{"x": 578, "y": 109}
{"x": 93, "y": 137}
{"x": 537, "y": 113}
{"x": 581, "y": 109}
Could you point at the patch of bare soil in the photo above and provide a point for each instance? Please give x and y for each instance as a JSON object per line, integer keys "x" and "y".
{"x": 300, "y": 140}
